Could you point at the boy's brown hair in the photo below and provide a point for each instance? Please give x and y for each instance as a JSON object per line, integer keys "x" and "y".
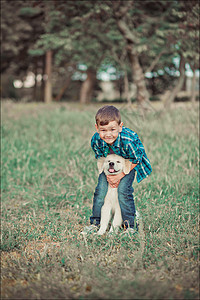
{"x": 106, "y": 114}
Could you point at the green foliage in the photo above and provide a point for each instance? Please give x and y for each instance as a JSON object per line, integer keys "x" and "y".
{"x": 88, "y": 32}
{"x": 49, "y": 175}
{"x": 21, "y": 26}
{"x": 29, "y": 11}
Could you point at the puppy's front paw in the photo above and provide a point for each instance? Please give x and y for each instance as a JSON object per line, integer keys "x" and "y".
{"x": 100, "y": 232}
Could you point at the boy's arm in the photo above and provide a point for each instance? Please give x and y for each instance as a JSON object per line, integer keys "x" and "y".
{"x": 135, "y": 150}
{"x": 95, "y": 147}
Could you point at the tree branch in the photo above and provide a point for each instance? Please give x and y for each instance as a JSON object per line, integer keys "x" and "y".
{"x": 121, "y": 8}
{"x": 178, "y": 86}
{"x": 154, "y": 62}
{"x": 126, "y": 32}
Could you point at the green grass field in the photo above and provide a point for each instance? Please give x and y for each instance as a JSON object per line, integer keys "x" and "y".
{"x": 49, "y": 175}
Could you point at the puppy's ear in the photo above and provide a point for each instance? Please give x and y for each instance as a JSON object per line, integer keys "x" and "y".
{"x": 100, "y": 163}
{"x": 127, "y": 166}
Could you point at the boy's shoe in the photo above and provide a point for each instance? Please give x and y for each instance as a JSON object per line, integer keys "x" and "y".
{"x": 89, "y": 229}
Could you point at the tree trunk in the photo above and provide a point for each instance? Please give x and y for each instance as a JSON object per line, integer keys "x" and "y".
{"x": 193, "y": 92}
{"x": 48, "y": 83}
{"x": 87, "y": 87}
{"x": 138, "y": 78}
{"x": 42, "y": 84}
{"x": 126, "y": 88}
{"x": 168, "y": 101}
{"x": 35, "y": 88}
{"x": 129, "y": 35}
{"x": 63, "y": 89}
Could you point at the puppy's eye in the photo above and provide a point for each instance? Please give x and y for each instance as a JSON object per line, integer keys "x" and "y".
{"x": 118, "y": 162}
{"x": 108, "y": 160}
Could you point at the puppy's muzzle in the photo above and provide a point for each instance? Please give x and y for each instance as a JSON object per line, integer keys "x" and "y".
{"x": 111, "y": 168}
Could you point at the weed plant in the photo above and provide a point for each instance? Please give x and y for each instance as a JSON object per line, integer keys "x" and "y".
{"x": 49, "y": 175}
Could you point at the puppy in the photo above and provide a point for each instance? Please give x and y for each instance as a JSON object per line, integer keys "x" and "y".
{"x": 111, "y": 165}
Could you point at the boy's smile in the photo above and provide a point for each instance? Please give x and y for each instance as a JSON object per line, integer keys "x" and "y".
{"x": 110, "y": 132}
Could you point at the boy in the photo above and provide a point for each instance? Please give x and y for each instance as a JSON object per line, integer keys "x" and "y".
{"x": 113, "y": 138}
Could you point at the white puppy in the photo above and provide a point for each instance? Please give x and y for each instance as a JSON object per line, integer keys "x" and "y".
{"x": 111, "y": 165}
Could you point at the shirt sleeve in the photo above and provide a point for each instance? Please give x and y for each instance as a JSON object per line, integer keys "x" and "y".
{"x": 95, "y": 146}
{"x": 136, "y": 150}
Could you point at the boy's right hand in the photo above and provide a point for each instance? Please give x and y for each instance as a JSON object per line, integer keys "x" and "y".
{"x": 114, "y": 180}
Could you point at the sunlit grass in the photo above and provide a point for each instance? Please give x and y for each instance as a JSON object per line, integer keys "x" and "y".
{"x": 48, "y": 179}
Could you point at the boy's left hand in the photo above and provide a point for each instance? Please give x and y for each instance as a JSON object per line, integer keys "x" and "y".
{"x": 114, "y": 180}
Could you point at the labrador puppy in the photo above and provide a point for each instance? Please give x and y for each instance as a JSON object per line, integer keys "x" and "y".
{"x": 111, "y": 165}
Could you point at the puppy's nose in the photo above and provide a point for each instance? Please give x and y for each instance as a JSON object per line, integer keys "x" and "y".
{"x": 111, "y": 164}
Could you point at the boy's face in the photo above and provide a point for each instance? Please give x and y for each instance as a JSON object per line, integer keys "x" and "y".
{"x": 109, "y": 133}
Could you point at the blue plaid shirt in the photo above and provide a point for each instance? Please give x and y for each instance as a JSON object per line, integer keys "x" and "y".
{"x": 127, "y": 145}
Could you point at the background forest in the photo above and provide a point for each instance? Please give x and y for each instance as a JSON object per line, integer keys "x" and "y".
{"x": 66, "y": 50}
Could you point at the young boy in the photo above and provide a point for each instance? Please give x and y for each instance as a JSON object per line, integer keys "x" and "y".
{"x": 113, "y": 138}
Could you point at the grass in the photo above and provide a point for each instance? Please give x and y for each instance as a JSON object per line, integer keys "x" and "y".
{"x": 48, "y": 179}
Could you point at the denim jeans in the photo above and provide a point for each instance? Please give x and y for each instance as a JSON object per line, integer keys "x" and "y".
{"x": 125, "y": 197}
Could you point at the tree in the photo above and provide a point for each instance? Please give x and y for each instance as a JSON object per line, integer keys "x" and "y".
{"x": 21, "y": 26}
{"x": 133, "y": 38}
{"x": 48, "y": 85}
{"x": 190, "y": 37}
{"x": 135, "y": 25}
{"x": 183, "y": 35}
{"x": 69, "y": 40}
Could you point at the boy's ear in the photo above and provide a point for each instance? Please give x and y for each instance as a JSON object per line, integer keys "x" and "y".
{"x": 120, "y": 127}
{"x": 97, "y": 129}
{"x": 127, "y": 166}
{"x": 100, "y": 163}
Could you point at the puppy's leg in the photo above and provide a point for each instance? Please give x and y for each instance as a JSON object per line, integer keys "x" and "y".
{"x": 117, "y": 220}
{"x": 105, "y": 218}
